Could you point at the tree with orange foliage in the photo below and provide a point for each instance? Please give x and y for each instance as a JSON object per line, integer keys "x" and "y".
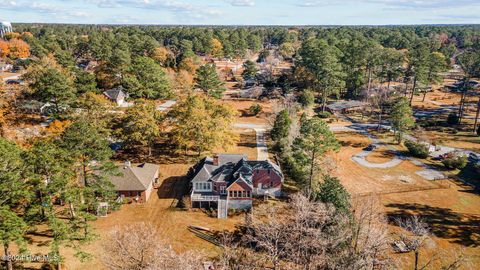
{"x": 18, "y": 49}
{"x": 183, "y": 82}
{"x": 12, "y": 35}
{"x": 161, "y": 54}
{"x": 217, "y": 48}
{"x": 189, "y": 65}
{"x": 56, "y": 128}
{"x": 27, "y": 34}
{"x": 4, "y": 48}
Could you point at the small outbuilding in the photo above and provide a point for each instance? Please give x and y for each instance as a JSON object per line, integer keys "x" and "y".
{"x": 116, "y": 95}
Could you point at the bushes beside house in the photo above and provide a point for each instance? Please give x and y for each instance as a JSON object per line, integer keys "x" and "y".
{"x": 452, "y": 119}
{"x": 419, "y": 150}
{"x": 455, "y": 162}
{"x": 324, "y": 115}
{"x": 255, "y": 109}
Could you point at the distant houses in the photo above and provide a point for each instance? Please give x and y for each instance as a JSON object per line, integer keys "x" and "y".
{"x": 347, "y": 106}
{"x": 136, "y": 181}
{"x": 5, "y": 67}
{"x": 5, "y": 27}
{"x": 231, "y": 182}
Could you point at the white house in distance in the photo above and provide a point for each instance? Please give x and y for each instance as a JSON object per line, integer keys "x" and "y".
{"x": 5, "y": 27}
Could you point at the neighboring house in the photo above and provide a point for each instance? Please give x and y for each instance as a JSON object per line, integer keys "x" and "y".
{"x": 116, "y": 95}
{"x": 5, "y": 27}
{"x": 5, "y": 67}
{"x": 347, "y": 106}
{"x": 233, "y": 180}
{"x": 136, "y": 181}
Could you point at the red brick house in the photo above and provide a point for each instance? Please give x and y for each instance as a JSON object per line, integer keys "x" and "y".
{"x": 234, "y": 181}
{"x": 136, "y": 181}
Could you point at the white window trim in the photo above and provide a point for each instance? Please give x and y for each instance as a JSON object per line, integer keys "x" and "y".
{"x": 203, "y": 186}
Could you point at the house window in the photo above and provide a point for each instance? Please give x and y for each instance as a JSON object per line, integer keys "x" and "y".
{"x": 203, "y": 186}
{"x": 223, "y": 190}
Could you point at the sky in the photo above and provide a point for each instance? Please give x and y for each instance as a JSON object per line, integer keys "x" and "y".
{"x": 243, "y": 12}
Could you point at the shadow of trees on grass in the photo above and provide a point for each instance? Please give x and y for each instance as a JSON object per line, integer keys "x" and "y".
{"x": 463, "y": 229}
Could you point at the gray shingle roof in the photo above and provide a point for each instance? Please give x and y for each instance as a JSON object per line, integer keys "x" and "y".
{"x": 135, "y": 177}
{"x": 230, "y": 169}
{"x": 115, "y": 94}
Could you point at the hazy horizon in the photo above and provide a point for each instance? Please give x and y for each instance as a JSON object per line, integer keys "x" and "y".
{"x": 243, "y": 12}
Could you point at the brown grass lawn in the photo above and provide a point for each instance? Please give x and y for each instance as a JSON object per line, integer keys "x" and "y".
{"x": 247, "y": 144}
{"x": 244, "y": 116}
{"x": 454, "y": 218}
{"x": 172, "y": 222}
{"x": 464, "y": 140}
{"x": 359, "y": 180}
{"x": 161, "y": 211}
{"x": 380, "y": 155}
{"x": 451, "y": 209}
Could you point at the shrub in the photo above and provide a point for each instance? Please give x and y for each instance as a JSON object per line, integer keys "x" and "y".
{"x": 324, "y": 115}
{"x": 419, "y": 150}
{"x": 307, "y": 98}
{"x": 255, "y": 109}
{"x": 455, "y": 162}
{"x": 452, "y": 119}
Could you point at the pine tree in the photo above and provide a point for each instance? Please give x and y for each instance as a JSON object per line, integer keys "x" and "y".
{"x": 321, "y": 61}
{"x": 332, "y": 191}
{"x": 12, "y": 229}
{"x": 314, "y": 141}
{"x": 147, "y": 79}
{"x": 281, "y": 126}
{"x": 249, "y": 70}
{"x": 208, "y": 81}
{"x": 51, "y": 85}
{"x": 402, "y": 118}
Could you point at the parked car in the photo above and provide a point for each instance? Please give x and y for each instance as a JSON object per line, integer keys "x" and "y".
{"x": 12, "y": 82}
{"x": 474, "y": 158}
{"x": 371, "y": 147}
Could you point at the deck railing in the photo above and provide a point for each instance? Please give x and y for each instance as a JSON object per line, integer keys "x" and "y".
{"x": 204, "y": 198}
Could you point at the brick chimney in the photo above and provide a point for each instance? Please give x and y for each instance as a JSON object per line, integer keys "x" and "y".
{"x": 215, "y": 160}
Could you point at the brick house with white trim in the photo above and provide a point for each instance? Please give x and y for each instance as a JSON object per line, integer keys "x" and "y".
{"x": 234, "y": 179}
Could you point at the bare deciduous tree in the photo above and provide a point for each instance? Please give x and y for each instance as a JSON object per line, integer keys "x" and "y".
{"x": 371, "y": 239}
{"x": 416, "y": 237}
{"x": 313, "y": 235}
{"x": 140, "y": 247}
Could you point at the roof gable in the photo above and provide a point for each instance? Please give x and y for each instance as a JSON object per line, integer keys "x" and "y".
{"x": 135, "y": 177}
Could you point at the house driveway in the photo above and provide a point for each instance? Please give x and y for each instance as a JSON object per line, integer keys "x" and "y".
{"x": 429, "y": 173}
{"x": 260, "y": 130}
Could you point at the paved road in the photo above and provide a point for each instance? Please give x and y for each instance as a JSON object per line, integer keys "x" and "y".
{"x": 362, "y": 128}
{"x": 262, "y": 150}
{"x": 167, "y": 105}
{"x": 360, "y": 158}
{"x": 14, "y": 77}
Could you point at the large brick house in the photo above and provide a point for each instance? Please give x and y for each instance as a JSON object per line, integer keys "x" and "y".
{"x": 233, "y": 181}
{"x": 136, "y": 181}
